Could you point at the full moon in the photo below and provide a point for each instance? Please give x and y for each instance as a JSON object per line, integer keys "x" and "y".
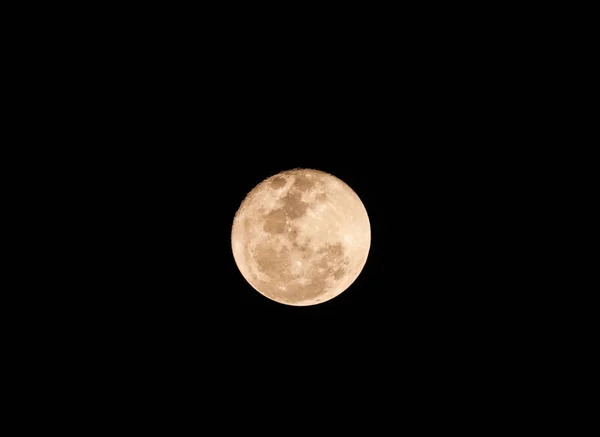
{"x": 301, "y": 237}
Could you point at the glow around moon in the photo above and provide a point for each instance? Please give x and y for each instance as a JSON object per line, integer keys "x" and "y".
{"x": 301, "y": 237}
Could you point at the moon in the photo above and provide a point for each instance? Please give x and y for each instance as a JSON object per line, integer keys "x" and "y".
{"x": 301, "y": 237}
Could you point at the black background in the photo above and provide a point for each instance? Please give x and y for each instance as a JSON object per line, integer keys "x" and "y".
{"x": 183, "y": 157}
{"x": 177, "y": 122}
{"x": 187, "y": 137}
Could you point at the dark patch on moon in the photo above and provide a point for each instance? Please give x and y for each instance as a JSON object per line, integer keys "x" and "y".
{"x": 339, "y": 273}
{"x": 304, "y": 249}
{"x": 321, "y": 197}
{"x": 277, "y": 182}
{"x": 332, "y": 251}
{"x": 294, "y": 206}
{"x": 302, "y": 183}
{"x": 273, "y": 263}
{"x": 275, "y": 222}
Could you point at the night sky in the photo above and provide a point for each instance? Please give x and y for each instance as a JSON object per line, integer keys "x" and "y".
{"x": 409, "y": 131}
{"x": 416, "y": 164}
{"x": 174, "y": 122}
{"x": 430, "y": 294}
{"x": 405, "y": 129}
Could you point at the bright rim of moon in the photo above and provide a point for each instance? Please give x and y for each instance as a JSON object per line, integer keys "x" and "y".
{"x": 301, "y": 237}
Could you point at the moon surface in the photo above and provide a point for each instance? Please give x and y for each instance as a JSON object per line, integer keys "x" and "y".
{"x": 301, "y": 237}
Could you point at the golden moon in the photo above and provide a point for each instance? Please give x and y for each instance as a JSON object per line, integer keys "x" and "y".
{"x": 301, "y": 237}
